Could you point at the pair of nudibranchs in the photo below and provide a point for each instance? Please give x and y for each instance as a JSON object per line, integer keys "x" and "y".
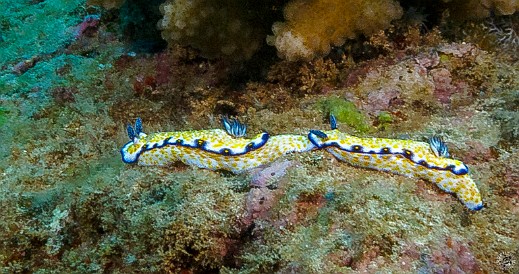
{"x": 229, "y": 149}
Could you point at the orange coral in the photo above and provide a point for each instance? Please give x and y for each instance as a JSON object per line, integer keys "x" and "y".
{"x": 312, "y": 26}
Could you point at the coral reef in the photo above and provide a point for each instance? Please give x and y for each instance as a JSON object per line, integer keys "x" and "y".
{"x": 235, "y": 30}
{"x": 70, "y": 205}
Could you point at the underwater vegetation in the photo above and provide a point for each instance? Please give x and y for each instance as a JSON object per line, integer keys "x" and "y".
{"x": 73, "y": 74}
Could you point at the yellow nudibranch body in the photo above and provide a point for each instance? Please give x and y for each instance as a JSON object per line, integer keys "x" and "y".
{"x": 410, "y": 158}
{"x": 211, "y": 149}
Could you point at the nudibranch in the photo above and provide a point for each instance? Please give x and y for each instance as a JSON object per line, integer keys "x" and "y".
{"x": 213, "y": 149}
{"x": 428, "y": 161}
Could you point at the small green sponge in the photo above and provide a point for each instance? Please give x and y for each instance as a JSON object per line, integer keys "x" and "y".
{"x": 345, "y": 112}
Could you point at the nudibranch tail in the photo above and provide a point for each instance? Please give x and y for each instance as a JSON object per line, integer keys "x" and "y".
{"x": 438, "y": 147}
{"x": 234, "y": 127}
{"x": 212, "y": 149}
{"x": 417, "y": 159}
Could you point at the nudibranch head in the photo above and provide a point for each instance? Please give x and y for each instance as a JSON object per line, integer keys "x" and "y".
{"x": 130, "y": 151}
{"x": 319, "y": 137}
{"x": 405, "y": 157}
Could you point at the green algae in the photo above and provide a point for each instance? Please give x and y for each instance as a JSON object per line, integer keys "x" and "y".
{"x": 385, "y": 117}
{"x": 345, "y": 112}
{"x": 384, "y": 120}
